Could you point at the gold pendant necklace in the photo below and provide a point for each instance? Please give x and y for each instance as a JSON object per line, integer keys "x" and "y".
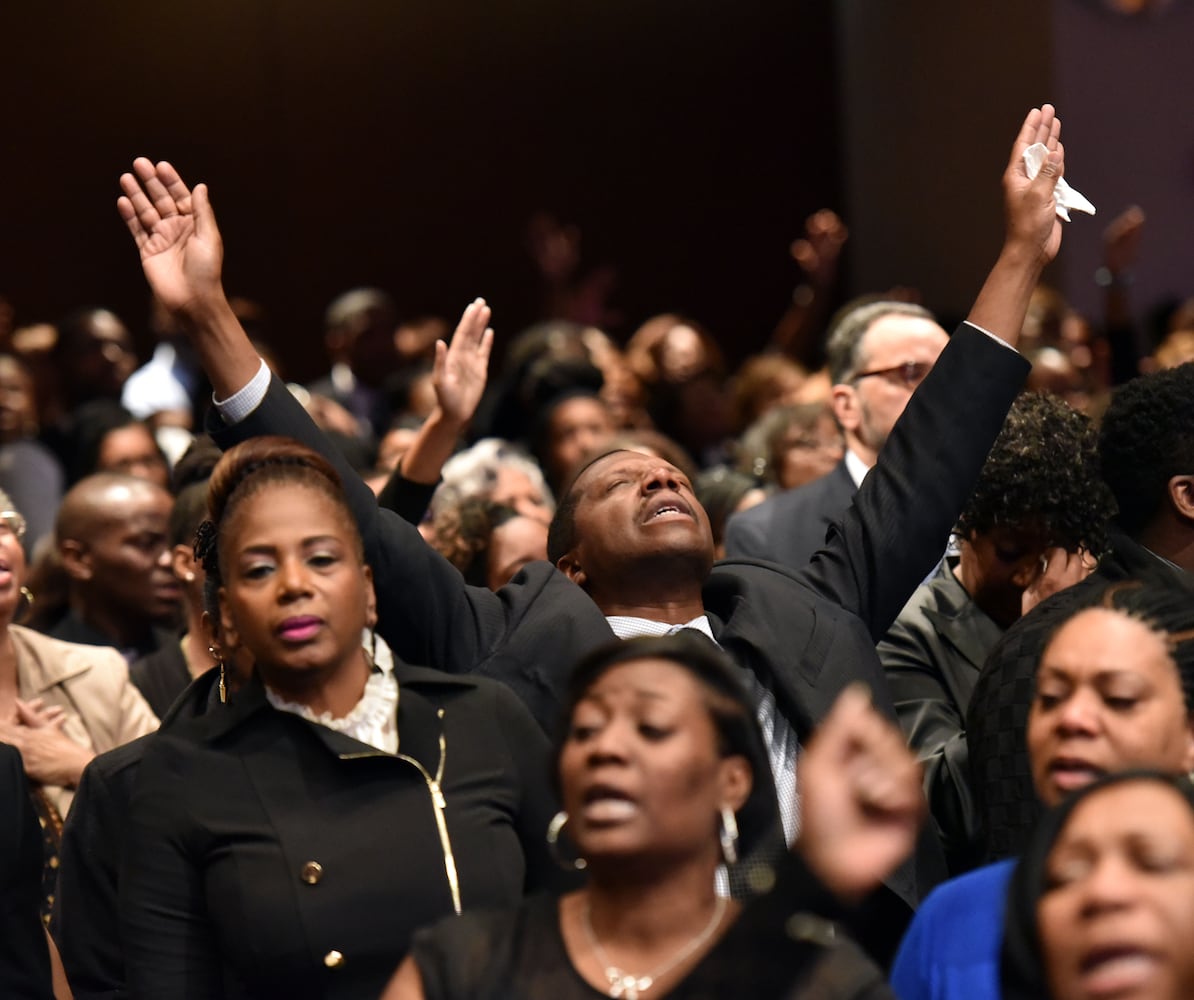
{"x": 627, "y": 986}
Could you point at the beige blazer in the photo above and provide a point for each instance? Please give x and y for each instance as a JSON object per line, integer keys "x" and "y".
{"x": 103, "y": 709}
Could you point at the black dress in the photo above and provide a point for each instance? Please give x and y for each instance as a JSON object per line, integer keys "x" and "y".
{"x": 272, "y": 857}
{"x": 783, "y": 945}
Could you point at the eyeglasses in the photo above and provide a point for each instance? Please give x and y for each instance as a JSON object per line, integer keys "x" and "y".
{"x": 12, "y": 522}
{"x": 911, "y": 373}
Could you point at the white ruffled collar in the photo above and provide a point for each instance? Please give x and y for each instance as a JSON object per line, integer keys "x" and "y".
{"x": 373, "y": 720}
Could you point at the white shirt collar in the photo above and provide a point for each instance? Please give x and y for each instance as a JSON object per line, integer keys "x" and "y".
{"x": 856, "y": 467}
{"x": 626, "y": 627}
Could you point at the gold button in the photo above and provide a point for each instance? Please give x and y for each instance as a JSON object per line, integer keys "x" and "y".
{"x": 333, "y": 960}
{"x": 311, "y": 874}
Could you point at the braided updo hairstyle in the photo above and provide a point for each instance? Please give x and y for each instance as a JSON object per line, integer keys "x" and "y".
{"x": 248, "y": 468}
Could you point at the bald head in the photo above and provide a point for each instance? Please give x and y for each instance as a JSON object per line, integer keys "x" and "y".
{"x": 112, "y": 537}
{"x": 95, "y": 503}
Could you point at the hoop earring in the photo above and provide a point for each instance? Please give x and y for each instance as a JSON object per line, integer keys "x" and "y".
{"x": 554, "y": 828}
{"x": 28, "y": 595}
{"x": 728, "y": 835}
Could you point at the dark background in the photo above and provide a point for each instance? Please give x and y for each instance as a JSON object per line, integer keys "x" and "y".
{"x": 406, "y": 144}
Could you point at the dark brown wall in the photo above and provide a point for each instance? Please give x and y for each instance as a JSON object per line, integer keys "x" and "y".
{"x": 405, "y": 144}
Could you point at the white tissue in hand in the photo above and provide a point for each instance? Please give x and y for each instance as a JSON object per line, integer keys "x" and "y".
{"x": 1065, "y": 196}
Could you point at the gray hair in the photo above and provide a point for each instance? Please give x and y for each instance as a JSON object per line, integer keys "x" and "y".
{"x": 843, "y": 348}
{"x": 473, "y": 472}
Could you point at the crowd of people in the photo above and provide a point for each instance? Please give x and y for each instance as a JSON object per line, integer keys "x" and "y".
{"x": 861, "y": 671}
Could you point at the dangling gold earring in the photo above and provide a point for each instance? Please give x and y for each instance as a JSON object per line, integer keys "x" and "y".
{"x": 28, "y": 595}
{"x": 221, "y": 686}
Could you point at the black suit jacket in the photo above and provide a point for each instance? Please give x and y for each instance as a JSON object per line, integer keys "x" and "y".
{"x": 24, "y": 957}
{"x": 932, "y": 656}
{"x": 85, "y": 918}
{"x": 790, "y": 526}
{"x": 261, "y": 844}
{"x": 806, "y": 633}
{"x": 71, "y": 628}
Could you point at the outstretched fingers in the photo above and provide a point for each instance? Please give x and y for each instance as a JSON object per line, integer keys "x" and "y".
{"x": 138, "y": 212}
{"x": 1040, "y": 125}
{"x": 199, "y": 205}
{"x": 157, "y": 181}
{"x": 1027, "y": 135}
{"x": 175, "y": 192}
{"x": 470, "y": 331}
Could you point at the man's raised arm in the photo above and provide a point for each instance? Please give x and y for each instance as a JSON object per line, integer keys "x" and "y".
{"x": 898, "y": 525}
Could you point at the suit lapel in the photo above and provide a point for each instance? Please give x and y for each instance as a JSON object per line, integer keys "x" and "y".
{"x": 959, "y": 621}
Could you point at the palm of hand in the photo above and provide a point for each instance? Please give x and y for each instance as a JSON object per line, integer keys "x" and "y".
{"x": 176, "y": 261}
{"x": 459, "y": 388}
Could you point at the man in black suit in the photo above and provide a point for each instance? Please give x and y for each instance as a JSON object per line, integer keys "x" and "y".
{"x": 878, "y": 353}
{"x": 632, "y": 548}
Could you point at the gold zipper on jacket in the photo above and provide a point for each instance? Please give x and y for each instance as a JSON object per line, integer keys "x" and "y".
{"x": 438, "y": 803}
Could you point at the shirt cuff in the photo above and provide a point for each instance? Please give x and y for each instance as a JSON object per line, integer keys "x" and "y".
{"x": 994, "y": 336}
{"x": 246, "y": 399}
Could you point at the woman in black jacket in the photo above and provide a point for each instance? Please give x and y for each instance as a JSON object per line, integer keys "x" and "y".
{"x": 289, "y": 842}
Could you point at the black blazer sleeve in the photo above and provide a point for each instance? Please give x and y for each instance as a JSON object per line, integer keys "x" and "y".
{"x": 86, "y": 917}
{"x": 169, "y": 941}
{"x": 426, "y": 612}
{"x": 531, "y": 755}
{"x": 897, "y": 528}
{"x": 24, "y": 956}
{"x": 406, "y": 498}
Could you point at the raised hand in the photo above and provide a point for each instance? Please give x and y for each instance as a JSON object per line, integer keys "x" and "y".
{"x": 462, "y": 367}
{"x": 1121, "y": 240}
{"x": 1032, "y": 223}
{"x": 860, "y": 797}
{"x": 817, "y": 251}
{"x": 1059, "y": 569}
{"x": 176, "y": 234}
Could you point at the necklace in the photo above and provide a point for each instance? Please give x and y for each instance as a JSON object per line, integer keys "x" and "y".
{"x": 628, "y": 986}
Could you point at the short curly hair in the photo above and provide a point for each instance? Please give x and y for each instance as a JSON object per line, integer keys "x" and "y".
{"x": 1043, "y": 471}
{"x": 1147, "y": 438}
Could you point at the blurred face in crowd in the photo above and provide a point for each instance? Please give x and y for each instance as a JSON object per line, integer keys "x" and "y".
{"x": 17, "y": 414}
{"x": 808, "y": 453}
{"x": 897, "y": 353}
{"x": 577, "y": 427}
{"x": 1108, "y": 699}
{"x": 640, "y": 770}
{"x": 101, "y": 363}
{"x": 512, "y": 545}
{"x": 132, "y": 450}
{"x": 1117, "y": 917}
{"x": 12, "y": 563}
{"x": 514, "y": 488}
